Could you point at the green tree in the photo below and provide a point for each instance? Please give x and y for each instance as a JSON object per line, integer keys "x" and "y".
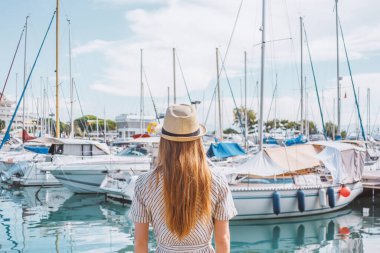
{"x": 230, "y": 131}
{"x": 312, "y": 127}
{"x": 64, "y": 128}
{"x": 88, "y": 123}
{"x": 330, "y": 128}
{"x": 2, "y": 124}
{"x": 251, "y": 115}
{"x": 270, "y": 124}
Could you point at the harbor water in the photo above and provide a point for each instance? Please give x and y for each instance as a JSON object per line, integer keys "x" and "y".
{"x": 55, "y": 220}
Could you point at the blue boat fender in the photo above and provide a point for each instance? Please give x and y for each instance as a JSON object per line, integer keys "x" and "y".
{"x": 276, "y": 202}
{"x": 330, "y": 231}
{"x": 331, "y": 196}
{"x": 301, "y": 200}
{"x": 276, "y": 237}
{"x": 322, "y": 197}
{"x": 300, "y": 239}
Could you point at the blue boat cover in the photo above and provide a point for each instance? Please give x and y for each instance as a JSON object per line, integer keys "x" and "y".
{"x": 269, "y": 140}
{"x": 301, "y": 139}
{"x": 225, "y": 149}
{"x": 38, "y": 149}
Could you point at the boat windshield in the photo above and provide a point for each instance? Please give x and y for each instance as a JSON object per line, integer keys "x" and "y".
{"x": 133, "y": 151}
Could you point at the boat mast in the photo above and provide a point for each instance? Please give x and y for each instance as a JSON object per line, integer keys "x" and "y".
{"x": 141, "y": 93}
{"x": 71, "y": 86}
{"x": 262, "y": 79}
{"x": 168, "y": 96}
{"x": 44, "y": 110}
{"x": 302, "y": 89}
{"x": 275, "y": 103}
{"x": 57, "y": 126}
{"x": 306, "y": 111}
{"x": 174, "y": 79}
{"x": 245, "y": 102}
{"x": 97, "y": 128}
{"x": 24, "y": 80}
{"x": 105, "y": 125}
{"x": 220, "y": 133}
{"x": 337, "y": 65}
{"x": 368, "y": 111}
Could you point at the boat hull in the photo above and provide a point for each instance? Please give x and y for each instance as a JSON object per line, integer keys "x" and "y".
{"x": 258, "y": 204}
{"x": 88, "y": 178}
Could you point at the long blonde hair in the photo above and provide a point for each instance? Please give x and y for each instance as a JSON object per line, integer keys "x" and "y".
{"x": 187, "y": 184}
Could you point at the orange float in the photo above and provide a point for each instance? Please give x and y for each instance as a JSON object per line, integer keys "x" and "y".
{"x": 344, "y": 231}
{"x": 345, "y": 191}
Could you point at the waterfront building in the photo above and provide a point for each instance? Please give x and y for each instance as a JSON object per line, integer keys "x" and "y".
{"x": 128, "y": 125}
{"x": 7, "y": 108}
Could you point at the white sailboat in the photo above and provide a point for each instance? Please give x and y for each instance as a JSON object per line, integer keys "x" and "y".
{"x": 296, "y": 181}
{"x": 306, "y": 179}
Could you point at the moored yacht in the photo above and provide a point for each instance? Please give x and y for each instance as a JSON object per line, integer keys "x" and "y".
{"x": 26, "y": 169}
{"x": 84, "y": 172}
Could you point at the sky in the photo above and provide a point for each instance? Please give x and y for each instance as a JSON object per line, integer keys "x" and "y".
{"x": 107, "y": 37}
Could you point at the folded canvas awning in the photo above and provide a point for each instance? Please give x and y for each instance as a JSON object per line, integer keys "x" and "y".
{"x": 294, "y": 158}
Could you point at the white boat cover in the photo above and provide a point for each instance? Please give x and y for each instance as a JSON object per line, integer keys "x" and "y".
{"x": 345, "y": 164}
{"x": 341, "y": 146}
{"x": 344, "y": 161}
{"x": 261, "y": 165}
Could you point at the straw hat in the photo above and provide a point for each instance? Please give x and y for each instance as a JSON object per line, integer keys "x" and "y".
{"x": 181, "y": 124}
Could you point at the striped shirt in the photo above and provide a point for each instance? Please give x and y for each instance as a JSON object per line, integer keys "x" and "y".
{"x": 148, "y": 206}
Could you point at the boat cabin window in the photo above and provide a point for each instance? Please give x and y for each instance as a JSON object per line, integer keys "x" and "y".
{"x": 75, "y": 150}
{"x": 86, "y": 150}
{"x": 71, "y": 149}
{"x": 133, "y": 151}
{"x": 56, "y": 149}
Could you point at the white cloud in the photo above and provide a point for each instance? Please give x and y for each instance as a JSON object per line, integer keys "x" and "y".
{"x": 126, "y": 2}
{"x": 91, "y": 47}
{"x": 196, "y": 28}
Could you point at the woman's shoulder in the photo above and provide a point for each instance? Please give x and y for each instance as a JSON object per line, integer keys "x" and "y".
{"x": 216, "y": 173}
{"x": 218, "y": 178}
{"x": 146, "y": 178}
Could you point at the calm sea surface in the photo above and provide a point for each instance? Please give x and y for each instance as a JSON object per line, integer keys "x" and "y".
{"x": 54, "y": 220}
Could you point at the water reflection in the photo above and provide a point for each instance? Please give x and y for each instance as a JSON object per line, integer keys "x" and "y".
{"x": 333, "y": 231}
{"x": 55, "y": 220}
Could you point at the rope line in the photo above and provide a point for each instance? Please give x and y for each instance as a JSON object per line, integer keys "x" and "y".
{"x": 13, "y": 60}
{"x": 7, "y": 135}
{"x": 315, "y": 83}
{"x": 352, "y": 81}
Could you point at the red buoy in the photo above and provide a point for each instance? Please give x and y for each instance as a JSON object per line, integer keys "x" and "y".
{"x": 344, "y": 231}
{"x": 345, "y": 191}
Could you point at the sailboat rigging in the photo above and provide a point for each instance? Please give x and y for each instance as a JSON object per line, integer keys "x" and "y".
{"x": 7, "y": 134}
{"x": 13, "y": 59}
